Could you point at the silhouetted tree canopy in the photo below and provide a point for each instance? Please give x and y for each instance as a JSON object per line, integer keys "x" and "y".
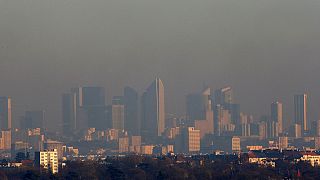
{"x": 162, "y": 168}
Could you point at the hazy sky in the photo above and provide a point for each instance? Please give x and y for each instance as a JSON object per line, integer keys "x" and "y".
{"x": 264, "y": 49}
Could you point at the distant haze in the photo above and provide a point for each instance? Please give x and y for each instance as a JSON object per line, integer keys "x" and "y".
{"x": 265, "y": 49}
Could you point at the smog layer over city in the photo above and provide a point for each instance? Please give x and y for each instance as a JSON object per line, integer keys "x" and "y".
{"x": 181, "y": 89}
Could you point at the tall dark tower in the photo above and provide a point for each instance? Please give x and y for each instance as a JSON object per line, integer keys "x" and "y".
{"x": 34, "y": 119}
{"x": 84, "y": 107}
{"x": 93, "y": 103}
{"x": 300, "y": 111}
{"x": 5, "y": 113}
{"x": 117, "y": 113}
{"x": 153, "y": 108}
{"x": 200, "y": 113}
{"x": 69, "y": 113}
{"x": 131, "y": 109}
{"x": 276, "y": 115}
{"x": 223, "y": 96}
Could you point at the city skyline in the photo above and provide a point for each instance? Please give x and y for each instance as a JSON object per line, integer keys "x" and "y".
{"x": 104, "y": 102}
{"x": 212, "y": 111}
{"x": 149, "y": 89}
{"x": 288, "y": 110}
{"x": 46, "y": 48}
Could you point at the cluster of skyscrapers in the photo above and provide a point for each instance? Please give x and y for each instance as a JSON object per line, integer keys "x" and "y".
{"x": 212, "y": 118}
{"x": 85, "y": 107}
{"x": 216, "y": 109}
{"x": 210, "y": 114}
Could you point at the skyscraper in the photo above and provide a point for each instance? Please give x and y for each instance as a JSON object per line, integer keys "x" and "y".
{"x": 153, "y": 110}
{"x": 276, "y": 115}
{"x": 69, "y": 113}
{"x": 84, "y": 107}
{"x": 34, "y": 119}
{"x": 300, "y": 111}
{"x": 200, "y": 113}
{"x": 222, "y": 122}
{"x": 226, "y": 114}
{"x": 131, "y": 111}
{"x": 90, "y": 96}
{"x": 223, "y": 96}
{"x": 234, "y": 110}
{"x": 197, "y": 105}
{"x": 117, "y": 110}
{"x": 5, "y": 113}
{"x": 93, "y": 102}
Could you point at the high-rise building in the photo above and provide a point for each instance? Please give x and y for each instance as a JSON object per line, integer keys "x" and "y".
{"x": 117, "y": 100}
{"x": 272, "y": 129}
{"x": 223, "y": 96}
{"x": 51, "y": 144}
{"x": 135, "y": 144}
{"x": 276, "y": 115}
{"x": 34, "y": 119}
{"x": 188, "y": 141}
{"x": 93, "y": 102}
{"x": 131, "y": 111}
{"x": 245, "y": 129}
{"x": 153, "y": 111}
{"x": 244, "y": 125}
{"x": 296, "y": 130}
{"x": 234, "y": 110}
{"x": 199, "y": 112}
{"x": 283, "y": 142}
{"x": 196, "y": 107}
{"x": 84, "y": 107}
{"x": 5, "y": 140}
{"x": 135, "y": 140}
{"x": 222, "y": 121}
{"x": 90, "y": 96}
{"x": 226, "y": 114}
{"x": 48, "y": 160}
{"x": 69, "y": 113}
{"x": 123, "y": 145}
{"x": 205, "y": 126}
{"x": 300, "y": 111}
{"x": 5, "y": 113}
{"x": 117, "y": 113}
{"x": 236, "y": 144}
{"x": 262, "y": 130}
{"x": 35, "y": 139}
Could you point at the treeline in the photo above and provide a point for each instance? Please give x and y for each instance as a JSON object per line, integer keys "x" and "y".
{"x": 139, "y": 167}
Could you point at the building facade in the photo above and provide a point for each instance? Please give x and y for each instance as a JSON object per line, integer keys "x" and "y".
{"x": 5, "y": 113}
{"x": 48, "y": 160}
{"x": 131, "y": 111}
{"x": 276, "y": 115}
{"x": 188, "y": 141}
{"x": 200, "y": 113}
{"x": 153, "y": 111}
{"x": 300, "y": 111}
{"x": 117, "y": 113}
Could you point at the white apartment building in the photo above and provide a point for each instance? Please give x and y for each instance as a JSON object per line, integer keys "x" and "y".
{"x": 47, "y": 159}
